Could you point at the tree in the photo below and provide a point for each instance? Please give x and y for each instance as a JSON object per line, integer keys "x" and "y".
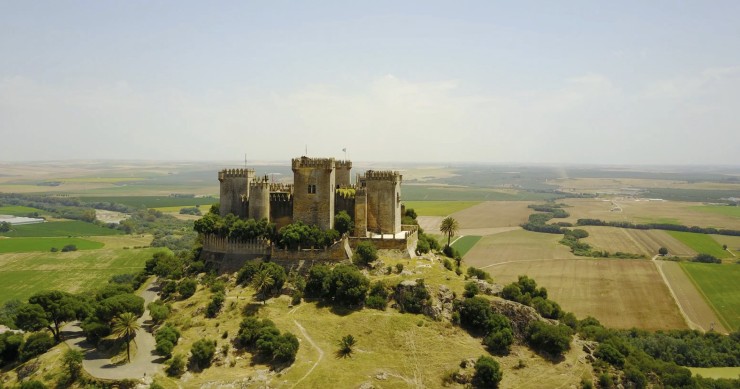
{"x": 187, "y": 287}
{"x": 57, "y": 307}
{"x": 347, "y": 285}
{"x": 343, "y": 222}
{"x": 4, "y": 226}
{"x": 449, "y": 227}
{"x": 36, "y": 344}
{"x": 262, "y": 283}
{"x": 365, "y": 253}
{"x": 552, "y": 339}
{"x": 126, "y": 325}
{"x": 487, "y": 373}
{"x": 202, "y": 353}
{"x": 346, "y": 345}
{"x": 72, "y": 360}
{"x": 663, "y": 251}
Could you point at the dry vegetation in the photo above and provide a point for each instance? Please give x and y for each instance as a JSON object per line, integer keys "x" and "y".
{"x": 645, "y": 242}
{"x": 516, "y": 246}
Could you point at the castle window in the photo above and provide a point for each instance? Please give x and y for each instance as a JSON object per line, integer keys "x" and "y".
{"x": 311, "y": 189}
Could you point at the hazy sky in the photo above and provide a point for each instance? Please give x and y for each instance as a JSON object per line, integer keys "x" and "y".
{"x": 491, "y": 81}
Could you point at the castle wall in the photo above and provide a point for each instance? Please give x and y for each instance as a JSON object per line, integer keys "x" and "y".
{"x": 313, "y": 191}
{"x": 344, "y": 203}
{"x": 281, "y": 209}
{"x": 383, "y": 201}
{"x": 234, "y": 189}
{"x": 407, "y": 245}
{"x": 259, "y": 199}
{"x": 360, "y": 217}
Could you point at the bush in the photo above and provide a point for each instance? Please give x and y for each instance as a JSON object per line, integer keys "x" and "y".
{"x": 450, "y": 252}
{"x": 215, "y": 305}
{"x": 399, "y": 268}
{"x": 487, "y": 373}
{"x": 412, "y": 300}
{"x": 36, "y": 344}
{"x": 346, "y": 285}
{"x": 317, "y": 276}
{"x": 68, "y": 248}
{"x": 10, "y": 345}
{"x": 471, "y": 289}
{"x": 247, "y": 272}
{"x": 176, "y": 366}
{"x": 609, "y": 354}
{"x": 343, "y": 222}
{"x": 663, "y": 251}
{"x": 166, "y": 339}
{"x": 266, "y": 338}
{"x": 159, "y": 311}
{"x": 378, "y": 296}
{"x": 365, "y": 253}
{"x": 706, "y": 258}
{"x": 202, "y": 353}
{"x": 479, "y": 274}
{"x": 552, "y": 339}
{"x": 33, "y": 384}
{"x": 187, "y": 287}
{"x": 499, "y": 341}
{"x": 447, "y": 264}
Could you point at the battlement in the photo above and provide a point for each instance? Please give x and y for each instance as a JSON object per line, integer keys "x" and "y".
{"x": 280, "y": 187}
{"x": 361, "y": 191}
{"x": 382, "y": 175}
{"x": 306, "y": 162}
{"x": 343, "y": 164}
{"x": 260, "y": 182}
{"x": 235, "y": 173}
{"x": 282, "y": 197}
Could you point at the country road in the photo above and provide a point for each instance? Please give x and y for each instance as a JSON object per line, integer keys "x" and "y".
{"x": 143, "y": 363}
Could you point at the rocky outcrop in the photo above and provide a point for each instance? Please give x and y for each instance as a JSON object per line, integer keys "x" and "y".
{"x": 487, "y": 288}
{"x": 519, "y": 314}
{"x": 441, "y": 305}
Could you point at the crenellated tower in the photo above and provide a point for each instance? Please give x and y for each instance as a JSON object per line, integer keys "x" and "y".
{"x": 343, "y": 173}
{"x": 234, "y": 191}
{"x": 383, "y": 201}
{"x": 259, "y": 199}
{"x": 314, "y": 183}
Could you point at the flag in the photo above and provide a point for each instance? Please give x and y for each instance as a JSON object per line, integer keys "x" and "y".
{"x": 344, "y": 149}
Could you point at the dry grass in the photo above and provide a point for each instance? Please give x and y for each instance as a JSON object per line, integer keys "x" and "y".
{"x": 518, "y": 245}
{"x": 492, "y": 214}
{"x": 645, "y": 242}
{"x": 620, "y": 293}
{"x": 675, "y": 212}
{"x": 605, "y": 184}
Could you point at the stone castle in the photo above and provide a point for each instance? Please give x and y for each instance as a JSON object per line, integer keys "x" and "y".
{"x": 321, "y": 188}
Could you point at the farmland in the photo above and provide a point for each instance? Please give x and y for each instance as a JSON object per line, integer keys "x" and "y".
{"x": 438, "y": 208}
{"x": 672, "y": 212}
{"x": 59, "y": 228}
{"x": 645, "y": 242}
{"x": 701, "y": 243}
{"x": 491, "y": 214}
{"x": 719, "y": 285}
{"x": 17, "y": 210}
{"x": 719, "y": 209}
{"x": 153, "y": 201}
{"x": 465, "y": 243}
{"x": 467, "y": 193}
{"x": 620, "y": 293}
{"x": 22, "y": 245}
{"x": 516, "y": 246}
{"x": 22, "y": 274}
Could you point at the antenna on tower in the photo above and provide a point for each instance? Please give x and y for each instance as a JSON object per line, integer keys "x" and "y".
{"x": 306, "y": 150}
{"x": 245, "y": 160}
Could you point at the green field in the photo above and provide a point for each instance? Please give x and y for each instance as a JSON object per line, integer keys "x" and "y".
{"x": 23, "y": 274}
{"x": 153, "y": 201}
{"x": 64, "y": 228}
{"x": 17, "y": 210}
{"x": 719, "y": 209}
{"x": 716, "y": 372}
{"x": 720, "y": 286}
{"x": 23, "y": 245}
{"x": 438, "y": 208}
{"x": 701, "y": 243}
{"x": 464, "y": 193}
{"x": 464, "y": 244}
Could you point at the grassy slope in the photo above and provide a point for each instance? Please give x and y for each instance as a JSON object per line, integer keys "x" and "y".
{"x": 23, "y": 274}
{"x": 439, "y": 208}
{"x": 23, "y": 245}
{"x": 719, "y": 285}
{"x": 62, "y": 228}
{"x": 701, "y": 243}
{"x": 412, "y": 350}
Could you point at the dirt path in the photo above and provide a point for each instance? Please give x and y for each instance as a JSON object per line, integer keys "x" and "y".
{"x": 694, "y": 309}
{"x": 143, "y": 363}
{"x": 314, "y": 345}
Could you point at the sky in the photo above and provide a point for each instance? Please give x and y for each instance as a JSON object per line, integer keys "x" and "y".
{"x": 564, "y": 82}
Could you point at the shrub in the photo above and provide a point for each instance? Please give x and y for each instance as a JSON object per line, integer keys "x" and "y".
{"x": 552, "y": 339}
{"x": 202, "y": 353}
{"x": 365, "y": 253}
{"x": 487, "y": 373}
{"x": 399, "y": 268}
{"x": 247, "y": 272}
{"x": 166, "y": 339}
{"x": 346, "y": 285}
{"x": 479, "y": 274}
{"x": 499, "y": 341}
{"x": 159, "y": 311}
{"x": 176, "y": 366}
{"x": 36, "y": 344}
{"x": 471, "y": 289}
{"x": 68, "y": 248}
{"x": 447, "y": 264}
{"x": 412, "y": 300}
{"x": 215, "y": 305}
{"x": 317, "y": 276}
{"x": 33, "y": 384}
{"x": 609, "y": 354}
{"x": 343, "y": 222}
{"x": 187, "y": 288}
{"x": 706, "y": 258}
{"x": 378, "y": 296}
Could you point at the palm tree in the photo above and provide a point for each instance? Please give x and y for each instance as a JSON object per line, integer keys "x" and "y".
{"x": 449, "y": 227}
{"x": 126, "y": 325}
{"x": 262, "y": 282}
{"x": 346, "y": 345}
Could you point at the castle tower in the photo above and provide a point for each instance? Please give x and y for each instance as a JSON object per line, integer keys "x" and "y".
{"x": 314, "y": 183}
{"x": 259, "y": 199}
{"x": 234, "y": 190}
{"x": 343, "y": 173}
{"x": 383, "y": 201}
